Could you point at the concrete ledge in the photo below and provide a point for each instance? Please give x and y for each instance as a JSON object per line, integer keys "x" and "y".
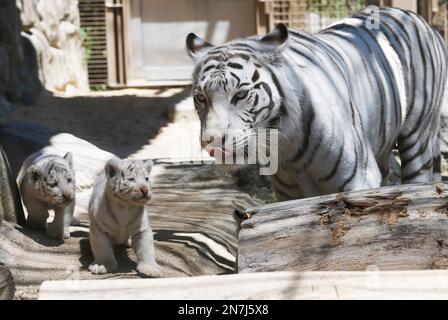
{"x": 277, "y": 285}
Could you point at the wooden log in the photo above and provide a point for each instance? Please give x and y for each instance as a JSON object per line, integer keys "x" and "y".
{"x": 10, "y": 204}
{"x": 276, "y": 285}
{"x": 392, "y": 228}
{"x": 7, "y": 287}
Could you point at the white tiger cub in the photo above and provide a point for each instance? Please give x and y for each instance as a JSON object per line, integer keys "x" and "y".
{"x": 117, "y": 213}
{"x": 47, "y": 182}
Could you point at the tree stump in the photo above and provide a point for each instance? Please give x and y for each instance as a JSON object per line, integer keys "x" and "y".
{"x": 392, "y": 228}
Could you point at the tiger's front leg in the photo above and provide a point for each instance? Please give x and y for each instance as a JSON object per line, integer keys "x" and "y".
{"x": 364, "y": 173}
{"x": 347, "y": 169}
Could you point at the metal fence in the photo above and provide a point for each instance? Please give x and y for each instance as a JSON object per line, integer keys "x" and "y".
{"x": 309, "y": 15}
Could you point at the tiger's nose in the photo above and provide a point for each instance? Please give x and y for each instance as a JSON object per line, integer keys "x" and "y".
{"x": 216, "y": 140}
{"x": 205, "y": 141}
{"x": 67, "y": 197}
{"x": 144, "y": 190}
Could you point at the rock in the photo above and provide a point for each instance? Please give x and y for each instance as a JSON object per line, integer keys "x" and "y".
{"x": 10, "y": 58}
{"x": 5, "y": 106}
{"x": 29, "y": 73}
{"x": 20, "y": 139}
{"x": 88, "y": 160}
{"x": 53, "y": 27}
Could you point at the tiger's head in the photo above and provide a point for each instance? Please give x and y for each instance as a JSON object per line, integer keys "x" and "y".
{"x": 53, "y": 181}
{"x": 128, "y": 180}
{"x": 235, "y": 90}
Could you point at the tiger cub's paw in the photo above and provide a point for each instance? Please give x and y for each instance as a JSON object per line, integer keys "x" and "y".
{"x": 150, "y": 270}
{"x": 103, "y": 268}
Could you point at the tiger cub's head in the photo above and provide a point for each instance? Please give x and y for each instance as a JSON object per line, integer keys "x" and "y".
{"x": 128, "y": 180}
{"x": 53, "y": 180}
{"x": 235, "y": 90}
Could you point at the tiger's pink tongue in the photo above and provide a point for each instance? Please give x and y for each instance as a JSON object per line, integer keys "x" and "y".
{"x": 217, "y": 152}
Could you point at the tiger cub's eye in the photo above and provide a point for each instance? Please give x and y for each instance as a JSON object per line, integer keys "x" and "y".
{"x": 201, "y": 97}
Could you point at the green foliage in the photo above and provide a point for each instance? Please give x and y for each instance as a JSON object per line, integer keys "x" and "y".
{"x": 86, "y": 35}
{"x": 335, "y": 8}
{"x": 98, "y": 87}
{"x": 271, "y": 198}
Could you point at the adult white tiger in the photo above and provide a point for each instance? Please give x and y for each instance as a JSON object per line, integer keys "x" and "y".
{"x": 341, "y": 99}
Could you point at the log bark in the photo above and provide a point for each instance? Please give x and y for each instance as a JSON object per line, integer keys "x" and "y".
{"x": 10, "y": 203}
{"x": 7, "y": 287}
{"x": 275, "y": 285}
{"x": 392, "y": 228}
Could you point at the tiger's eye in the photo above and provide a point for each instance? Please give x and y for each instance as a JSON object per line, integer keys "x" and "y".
{"x": 201, "y": 97}
{"x": 131, "y": 179}
{"x": 241, "y": 94}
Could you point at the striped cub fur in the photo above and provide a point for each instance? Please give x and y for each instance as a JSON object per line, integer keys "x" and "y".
{"x": 341, "y": 99}
{"x": 47, "y": 182}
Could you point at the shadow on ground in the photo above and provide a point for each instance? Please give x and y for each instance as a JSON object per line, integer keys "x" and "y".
{"x": 120, "y": 124}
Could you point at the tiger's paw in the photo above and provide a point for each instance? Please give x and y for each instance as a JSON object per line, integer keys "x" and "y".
{"x": 150, "y": 270}
{"x": 103, "y": 268}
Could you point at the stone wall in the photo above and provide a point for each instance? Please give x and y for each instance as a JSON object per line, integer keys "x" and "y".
{"x": 10, "y": 55}
{"x": 53, "y": 27}
{"x": 40, "y": 44}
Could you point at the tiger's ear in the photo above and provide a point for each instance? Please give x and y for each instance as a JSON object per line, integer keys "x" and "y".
{"x": 148, "y": 165}
{"x": 34, "y": 172}
{"x": 277, "y": 36}
{"x": 112, "y": 168}
{"x": 69, "y": 158}
{"x": 196, "y": 46}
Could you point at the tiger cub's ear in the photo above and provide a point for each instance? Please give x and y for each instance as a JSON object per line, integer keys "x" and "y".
{"x": 196, "y": 46}
{"x": 148, "y": 165}
{"x": 69, "y": 157}
{"x": 113, "y": 167}
{"x": 34, "y": 172}
{"x": 277, "y": 36}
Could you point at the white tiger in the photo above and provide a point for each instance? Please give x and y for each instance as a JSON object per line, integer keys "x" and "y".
{"x": 117, "y": 214}
{"x": 341, "y": 99}
{"x": 47, "y": 182}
